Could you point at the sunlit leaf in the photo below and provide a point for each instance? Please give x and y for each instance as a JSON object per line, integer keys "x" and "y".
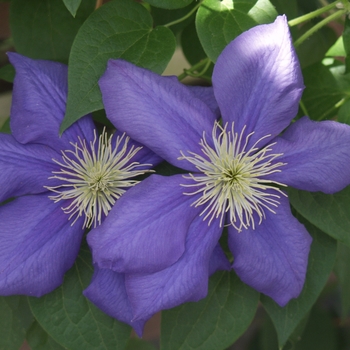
{"x": 118, "y": 29}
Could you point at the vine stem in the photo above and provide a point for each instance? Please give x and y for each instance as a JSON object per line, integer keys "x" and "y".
{"x": 313, "y": 14}
{"x": 319, "y": 25}
{"x": 203, "y": 65}
{"x": 99, "y": 3}
{"x": 184, "y": 17}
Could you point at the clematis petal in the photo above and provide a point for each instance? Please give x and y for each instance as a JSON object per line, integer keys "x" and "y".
{"x": 184, "y": 281}
{"x": 107, "y": 292}
{"x": 316, "y": 155}
{"x": 24, "y": 169}
{"x": 218, "y": 260}
{"x": 206, "y": 94}
{"x": 257, "y": 80}
{"x": 143, "y": 156}
{"x": 146, "y": 230}
{"x": 273, "y": 257}
{"x": 159, "y": 112}
{"x": 39, "y": 104}
{"x": 37, "y": 245}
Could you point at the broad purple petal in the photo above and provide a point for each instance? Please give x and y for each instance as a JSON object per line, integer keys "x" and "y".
{"x": 143, "y": 156}
{"x": 146, "y": 230}
{"x": 184, "y": 281}
{"x": 317, "y": 156}
{"x": 25, "y": 169}
{"x": 257, "y": 80}
{"x": 218, "y": 260}
{"x": 159, "y": 112}
{"x": 37, "y": 245}
{"x": 206, "y": 94}
{"x": 107, "y": 292}
{"x": 39, "y": 103}
{"x": 273, "y": 258}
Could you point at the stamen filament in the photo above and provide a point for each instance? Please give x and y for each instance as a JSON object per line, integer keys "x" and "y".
{"x": 94, "y": 176}
{"x": 232, "y": 178}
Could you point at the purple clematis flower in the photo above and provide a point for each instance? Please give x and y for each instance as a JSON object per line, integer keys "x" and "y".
{"x": 159, "y": 243}
{"x": 59, "y": 185}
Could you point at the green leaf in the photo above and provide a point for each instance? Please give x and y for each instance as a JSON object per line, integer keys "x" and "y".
{"x": 214, "y": 322}
{"x": 286, "y": 7}
{"x": 325, "y": 89}
{"x": 164, "y": 17}
{"x": 71, "y": 320}
{"x": 7, "y": 73}
{"x": 342, "y": 270}
{"x": 5, "y": 128}
{"x": 191, "y": 45}
{"x": 346, "y": 42}
{"x": 319, "y": 332}
{"x": 72, "y": 6}
{"x": 328, "y": 212}
{"x": 15, "y": 320}
{"x": 44, "y": 28}
{"x": 344, "y": 113}
{"x": 321, "y": 260}
{"x": 219, "y": 22}
{"x": 315, "y": 48}
{"x": 118, "y": 29}
{"x": 337, "y": 49}
{"x": 169, "y": 4}
{"x": 139, "y": 344}
{"x": 38, "y": 339}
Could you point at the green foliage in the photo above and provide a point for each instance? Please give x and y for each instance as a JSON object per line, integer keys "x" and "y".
{"x": 7, "y": 73}
{"x": 15, "y": 320}
{"x": 328, "y": 212}
{"x": 169, "y": 4}
{"x": 119, "y": 29}
{"x": 72, "y": 6}
{"x": 38, "y": 339}
{"x": 342, "y": 270}
{"x": 315, "y": 48}
{"x": 5, "y": 128}
{"x": 145, "y": 33}
{"x": 219, "y": 22}
{"x": 165, "y": 17}
{"x": 66, "y": 308}
{"x": 191, "y": 45}
{"x": 326, "y": 87}
{"x": 286, "y": 7}
{"x": 44, "y": 28}
{"x": 214, "y": 322}
{"x": 138, "y": 344}
{"x": 319, "y": 332}
{"x": 321, "y": 261}
{"x": 346, "y": 43}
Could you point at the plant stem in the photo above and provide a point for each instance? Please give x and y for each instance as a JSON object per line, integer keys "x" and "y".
{"x": 99, "y": 3}
{"x": 184, "y": 17}
{"x": 313, "y": 14}
{"x": 203, "y": 65}
{"x": 303, "y": 108}
{"x": 319, "y": 25}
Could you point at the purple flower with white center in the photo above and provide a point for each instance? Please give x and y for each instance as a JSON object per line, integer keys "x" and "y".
{"x": 159, "y": 243}
{"x": 59, "y": 185}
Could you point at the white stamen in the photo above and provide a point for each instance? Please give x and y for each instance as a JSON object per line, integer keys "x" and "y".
{"x": 232, "y": 178}
{"x": 95, "y": 176}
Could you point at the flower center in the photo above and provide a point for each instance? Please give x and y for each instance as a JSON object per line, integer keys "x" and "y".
{"x": 94, "y": 176}
{"x": 232, "y": 178}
